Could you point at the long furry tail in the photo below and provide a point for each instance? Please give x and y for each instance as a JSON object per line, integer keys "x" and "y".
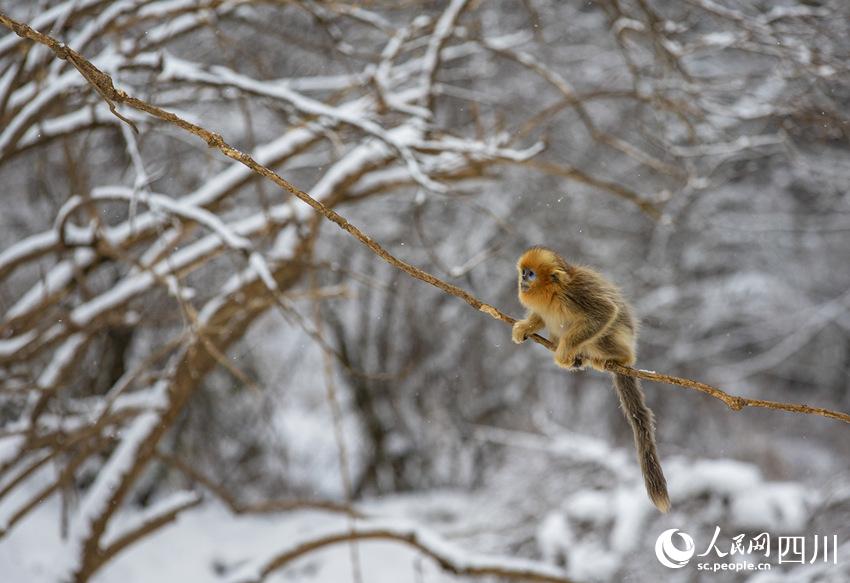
{"x": 643, "y": 426}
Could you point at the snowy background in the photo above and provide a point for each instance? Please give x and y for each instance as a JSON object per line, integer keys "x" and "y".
{"x": 200, "y": 381}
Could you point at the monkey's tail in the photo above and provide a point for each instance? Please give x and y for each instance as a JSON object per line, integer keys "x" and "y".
{"x": 643, "y": 425}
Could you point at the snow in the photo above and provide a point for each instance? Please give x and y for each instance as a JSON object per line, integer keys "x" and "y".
{"x": 592, "y": 562}
{"x": 64, "y": 357}
{"x": 482, "y": 150}
{"x": 554, "y": 538}
{"x": 574, "y": 493}
{"x": 175, "y": 25}
{"x": 95, "y": 26}
{"x": 175, "y": 68}
{"x": 6, "y": 80}
{"x": 34, "y": 105}
{"x": 819, "y": 572}
{"x": 9, "y": 346}
{"x": 624, "y": 23}
{"x": 778, "y": 12}
{"x": 54, "y": 280}
{"x": 182, "y": 209}
{"x": 212, "y": 190}
{"x": 723, "y": 477}
{"x": 754, "y": 503}
{"x": 283, "y": 147}
{"x": 260, "y": 266}
{"x": 9, "y": 447}
{"x": 352, "y": 163}
{"x": 152, "y": 399}
{"x": 139, "y": 282}
{"x": 33, "y": 552}
{"x": 719, "y": 39}
{"x": 208, "y": 543}
{"x": 44, "y": 18}
{"x": 115, "y": 296}
{"x": 190, "y": 206}
{"x": 110, "y": 476}
{"x": 633, "y": 512}
{"x": 165, "y": 7}
{"x": 590, "y": 506}
{"x": 170, "y": 503}
{"x": 771, "y": 507}
{"x": 435, "y": 544}
{"x": 442, "y": 30}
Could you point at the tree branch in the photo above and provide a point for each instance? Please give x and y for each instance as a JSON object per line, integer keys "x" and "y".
{"x": 445, "y": 555}
{"x": 104, "y": 86}
{"x": 156, "y": 520}
{"x": 268, "y": 506}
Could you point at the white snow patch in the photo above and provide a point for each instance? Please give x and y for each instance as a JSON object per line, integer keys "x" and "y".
{"x": 772, "y": 506}
{"x": 62, "y": 358}
{"x": 723, "y": 477}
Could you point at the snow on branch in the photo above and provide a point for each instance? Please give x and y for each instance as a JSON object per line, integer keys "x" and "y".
{"x": 449, "y": 557}
{"x": 219, "y": 75}
{"x": 152, "y": 519}
{"x": 161, "y": 203}
{"x": 61, "y": 274}
{"x": 120, "y": 462}
{"x": 442, "y": 30}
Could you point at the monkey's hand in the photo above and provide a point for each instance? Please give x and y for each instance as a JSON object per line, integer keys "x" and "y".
{"x": 522, "y": 330}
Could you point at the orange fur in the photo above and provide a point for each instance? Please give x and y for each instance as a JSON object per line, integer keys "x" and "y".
{"x": 589, "y": 322}
{"x": 584, "y": 313}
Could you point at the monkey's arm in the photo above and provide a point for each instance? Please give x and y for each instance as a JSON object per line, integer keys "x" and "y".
{"x": 525, "y": 328}
{"x": 591, "y": 320}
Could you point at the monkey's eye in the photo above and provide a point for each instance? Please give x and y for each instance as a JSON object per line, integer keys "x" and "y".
{"x": 528, "y": 275}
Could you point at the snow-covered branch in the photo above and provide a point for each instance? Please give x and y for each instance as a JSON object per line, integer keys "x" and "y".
{"x": 449, "y": 557}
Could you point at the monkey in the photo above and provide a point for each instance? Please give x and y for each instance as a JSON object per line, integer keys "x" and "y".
{"x": 590, "y": 322}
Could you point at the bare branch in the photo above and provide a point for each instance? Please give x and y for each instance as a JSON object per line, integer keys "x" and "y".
{"x": 106, "y": 88}
{"x": 449, "y": 558}
{"x": 269, "y": 506}
{"x": 156, "y": 518}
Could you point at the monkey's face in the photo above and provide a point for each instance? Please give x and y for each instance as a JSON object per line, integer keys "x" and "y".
{"x": 537, "y": 270}
{"x": 527, "y": 276}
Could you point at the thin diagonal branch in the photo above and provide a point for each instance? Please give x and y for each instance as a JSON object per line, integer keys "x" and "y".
{"x": 105, "y": 87}
{"x": 269, "y": 506}
{"x": 154, "y": 522}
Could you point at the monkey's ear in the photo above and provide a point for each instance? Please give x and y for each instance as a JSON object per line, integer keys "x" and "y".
{"x": 559, "y": 276}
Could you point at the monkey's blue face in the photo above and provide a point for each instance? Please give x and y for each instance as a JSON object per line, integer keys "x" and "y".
{"x": 527, "y": 277}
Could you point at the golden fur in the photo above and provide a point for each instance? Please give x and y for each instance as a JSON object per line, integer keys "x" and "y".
{"x": 590, "y": 322}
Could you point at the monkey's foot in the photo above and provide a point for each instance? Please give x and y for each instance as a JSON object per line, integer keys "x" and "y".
{"x": 598, "y": 364}
{"x": 569, "y": 361}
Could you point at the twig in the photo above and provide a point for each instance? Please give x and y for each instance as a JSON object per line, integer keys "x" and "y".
{"x": 732, "y": 401}
{"x": 339, "y": 433}
{"x": 106, "y": 88}
{"x": 573, "y": 173}
{"x": 442, "y": 30}
{"x": 152, "y": 523}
